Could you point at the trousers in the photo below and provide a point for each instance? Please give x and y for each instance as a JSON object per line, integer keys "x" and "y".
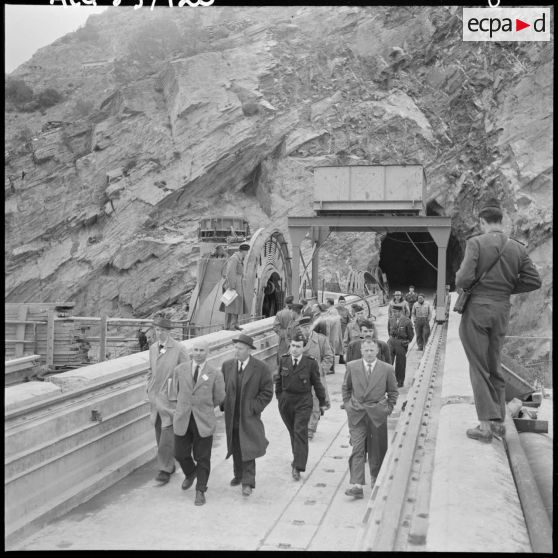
{"x": 482, "y": 330}
{"x": 422, "y": 330}
{"x": 231, "y": 320}
{"x": 165, "y": 446}
{"x": 398, "y": 351}
{"x": 190, "y": 443}
{"x": 366, "y": 438}
{"x": 295, "y": 410}
{"x": 315, "y": 414}
{"x": 243, "y": 470}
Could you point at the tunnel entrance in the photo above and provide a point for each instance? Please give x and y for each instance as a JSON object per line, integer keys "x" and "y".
{"x": 412, "y": 258}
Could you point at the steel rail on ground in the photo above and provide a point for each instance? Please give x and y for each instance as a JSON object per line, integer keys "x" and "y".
{"x": 396, "y": 487}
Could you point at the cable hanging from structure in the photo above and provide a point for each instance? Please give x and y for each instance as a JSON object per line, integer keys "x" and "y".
{"x": 421, "y": 254}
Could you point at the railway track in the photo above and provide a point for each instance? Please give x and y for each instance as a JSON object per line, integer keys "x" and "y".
{"x": 397, "y": 515}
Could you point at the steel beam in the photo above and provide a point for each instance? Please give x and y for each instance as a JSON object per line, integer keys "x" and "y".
{"x": 381, "y": 223}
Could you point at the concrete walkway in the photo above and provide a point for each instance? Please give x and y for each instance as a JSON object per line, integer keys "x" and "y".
{"x": 474, "y": 505}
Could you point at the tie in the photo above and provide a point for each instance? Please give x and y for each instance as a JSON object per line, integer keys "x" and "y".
{"x": 369, "y": 370}
{"x": 239, "y": 368}
{"x": 295, "y": 363}
{"x": 161, "y": 347}
{"x": 196, "y": 374}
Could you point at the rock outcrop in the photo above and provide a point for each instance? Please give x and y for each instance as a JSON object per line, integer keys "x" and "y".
{"x": 171, "y": 115}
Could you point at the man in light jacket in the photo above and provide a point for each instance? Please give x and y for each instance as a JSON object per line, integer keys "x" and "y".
{"x": 234, "y": 272}
{"x": 164, "y": 355}
{"x": 200, "y": 388}
{"x": 369, "y": 393}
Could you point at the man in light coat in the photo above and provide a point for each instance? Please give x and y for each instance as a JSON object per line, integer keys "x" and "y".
{"x": 283, "y": 319}
{"x": 422, "y": 314}
{"x": 485, "y": 320}
{"x": 164, "y": 355}
{"x": 317, "y": 346}
{"x": 369, "y": 394}
{"x": 249, "y": 389}
{"x": 200, "y": 388}
{"x": 233, "y": 273}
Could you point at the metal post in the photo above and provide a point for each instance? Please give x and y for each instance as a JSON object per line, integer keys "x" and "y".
{"x": 50, "y": 339}
{"x": 441, "y": 237}
{"x": 103, "y": 339}
{"x": 297, "y": 235}
{"x": 315, "y": 263}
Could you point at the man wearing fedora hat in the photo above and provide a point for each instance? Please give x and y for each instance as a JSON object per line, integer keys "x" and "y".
{"x": 165, "y": 354}
{"x": 249, "y": 389}
{"x": 233, "y": 273}
{"x": 505, "y": 268}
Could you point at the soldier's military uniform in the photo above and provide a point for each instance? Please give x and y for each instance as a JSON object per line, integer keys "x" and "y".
{"x": 485, "y": 319}
{"x": 401, "y": 333}
{"x": 422, "y": 314}
{"x": 293, "y": 389}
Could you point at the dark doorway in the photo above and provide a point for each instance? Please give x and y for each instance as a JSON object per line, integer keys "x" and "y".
{"x": 412, "y": 259}
{"x": 274, "y": 296}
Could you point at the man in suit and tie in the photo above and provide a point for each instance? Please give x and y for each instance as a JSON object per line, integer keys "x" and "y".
{"x": 369, "y": 393}
{"x": 298, "y": 374}
{"x": 249, "y": 389}
{"x": 200, "y": 389}
{"x": 164, "y": 356}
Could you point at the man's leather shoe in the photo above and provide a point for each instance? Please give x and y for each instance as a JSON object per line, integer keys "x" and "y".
{"x": 480, "y": 435}
{"x": 497, "y": 428}
{"x": 163, "y": 477}
{"x": 235, "y": 481}
{"x": 246, "y": 490}
{"x": 200, "y": 498}
{"x": 188, "y": 481}
{"x": 355, "y": 492}
{"x": 296, "y": 474}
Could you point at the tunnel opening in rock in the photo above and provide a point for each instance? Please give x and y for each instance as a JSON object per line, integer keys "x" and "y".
{"x": 412, "y": 259}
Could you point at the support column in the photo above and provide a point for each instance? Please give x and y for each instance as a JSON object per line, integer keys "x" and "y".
{"x": 441, "y": 237}
{"x": 318, "y": 235}
{"x": 297, "y": 235}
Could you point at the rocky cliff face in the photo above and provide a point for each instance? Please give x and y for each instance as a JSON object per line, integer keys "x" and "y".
{"x": 171, "y": 115}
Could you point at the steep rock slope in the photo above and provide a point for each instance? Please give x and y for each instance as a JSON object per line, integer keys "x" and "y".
{"x": 171, "y": 115}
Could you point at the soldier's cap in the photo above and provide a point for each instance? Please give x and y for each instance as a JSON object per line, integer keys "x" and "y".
{"x": 411, "y": 286}
{"x": 297, "y": 307}
{"x": 357, "y": 307}
{"x": 289, "y": 299}
{"x": 305, "y": 320}
{"x": 420, "y": 294}
{"x": 246, "y": 339}
{"x": 396, "y": 293}
{"x": 244, "y": 247}
{"x": 330, "y": 301}
{"x": 490, "y": 203}
{"x": 322, "y": 307}
{"x": 397, "y": 307}
{"x": 341, "y": 298}
{"x": 164, "y": 323}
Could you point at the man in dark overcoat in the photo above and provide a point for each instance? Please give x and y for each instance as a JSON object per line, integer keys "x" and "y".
{"x": 485, "y": 319}
{"x": 249, "y": 389}
{"x": 165, "y": 354}
{"x": 233, "y": 273}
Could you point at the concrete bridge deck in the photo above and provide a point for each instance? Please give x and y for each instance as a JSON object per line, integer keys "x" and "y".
{"x": 473, "y": 503}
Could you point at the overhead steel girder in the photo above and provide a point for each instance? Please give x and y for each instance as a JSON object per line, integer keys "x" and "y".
{"x": 438, "y": 227}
